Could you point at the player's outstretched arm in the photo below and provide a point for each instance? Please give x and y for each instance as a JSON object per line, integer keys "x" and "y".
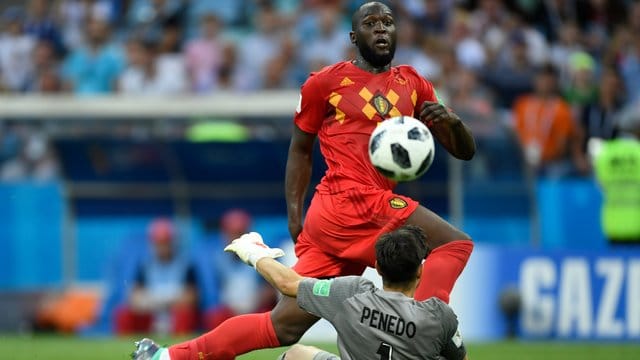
{"x": 450, "y": 131}
{"x": 279, "y": 276}
{"x": 251, "y": 249}
{"x": 298, "y": 177}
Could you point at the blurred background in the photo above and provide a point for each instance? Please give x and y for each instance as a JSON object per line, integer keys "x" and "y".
{"x": 137, "y": 137}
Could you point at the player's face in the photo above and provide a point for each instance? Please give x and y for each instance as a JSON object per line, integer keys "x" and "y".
{"x": 375, "y": 36}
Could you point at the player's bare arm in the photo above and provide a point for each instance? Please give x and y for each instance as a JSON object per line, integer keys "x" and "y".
{"x": 252, "y": 250}
{"x": 297, "y": 177}
{"x": 279, "y": 276}
{"x": 449, "y": 129}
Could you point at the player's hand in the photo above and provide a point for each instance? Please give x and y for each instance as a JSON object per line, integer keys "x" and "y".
{"x": 250, "y": 248}
{"x": 434, "y": 113}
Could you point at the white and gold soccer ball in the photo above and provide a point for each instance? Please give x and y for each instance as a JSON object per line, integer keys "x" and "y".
{"x": 401, "y": 148}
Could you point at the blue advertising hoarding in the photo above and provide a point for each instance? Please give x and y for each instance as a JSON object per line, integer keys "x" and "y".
{"x": 568, "y": 295}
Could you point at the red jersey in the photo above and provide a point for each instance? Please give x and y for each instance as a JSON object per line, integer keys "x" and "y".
{"x": 342, "y": 105}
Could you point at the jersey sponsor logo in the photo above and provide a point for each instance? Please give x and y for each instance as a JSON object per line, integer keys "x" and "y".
{"x": 346, "y": 82}
{"x": 389, "y": 323}
{"x": 397, "y": 203}
{"x": 322, "y": 287}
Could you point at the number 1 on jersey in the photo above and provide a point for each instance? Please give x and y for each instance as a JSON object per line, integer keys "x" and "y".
{"x": 385, "y": 351}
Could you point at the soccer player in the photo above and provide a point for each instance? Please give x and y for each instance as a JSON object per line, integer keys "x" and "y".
{"x": 354, "y": 204}
{"x": 371, "y": 323}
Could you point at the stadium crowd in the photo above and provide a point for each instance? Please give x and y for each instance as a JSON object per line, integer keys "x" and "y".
{"x": 497, "y": 63}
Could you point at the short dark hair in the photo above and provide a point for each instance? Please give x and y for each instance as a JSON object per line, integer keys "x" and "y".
{"x": 400, "y": 253}
{"x": 357, "y": 15}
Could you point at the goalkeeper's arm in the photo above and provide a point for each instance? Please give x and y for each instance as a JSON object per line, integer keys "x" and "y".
{"x": 281, "y": 277}
{"x": 251, "y": 249}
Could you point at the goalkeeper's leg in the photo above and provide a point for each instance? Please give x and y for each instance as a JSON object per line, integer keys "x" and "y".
{"x": 284, "y": 325}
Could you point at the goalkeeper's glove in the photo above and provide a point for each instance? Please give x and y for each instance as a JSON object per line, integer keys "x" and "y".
{"x": 250, "y": 248}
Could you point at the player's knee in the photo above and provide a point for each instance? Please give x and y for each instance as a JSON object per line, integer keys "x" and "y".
{"x": 457, "y": 234}
{"x": 449, "y": 237}
{"x": 290, "y": 322}
{"x": 289, "y": 336}
{"x": 464, "y": 236}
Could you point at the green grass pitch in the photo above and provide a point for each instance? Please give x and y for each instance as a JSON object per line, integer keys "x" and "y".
{"x": 73, "y": 348}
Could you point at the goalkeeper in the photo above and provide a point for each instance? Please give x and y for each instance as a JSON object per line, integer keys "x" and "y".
{"x": 371, "y": 323}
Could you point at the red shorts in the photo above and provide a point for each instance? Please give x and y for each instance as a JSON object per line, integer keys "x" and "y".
{"x": 340, "y": 230}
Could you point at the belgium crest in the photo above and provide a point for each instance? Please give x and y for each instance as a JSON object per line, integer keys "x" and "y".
{"x": 381, "y": 104}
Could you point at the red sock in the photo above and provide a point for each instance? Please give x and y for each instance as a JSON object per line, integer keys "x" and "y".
{"x": 233, "y": 337}
{"x": 442, "y": 268}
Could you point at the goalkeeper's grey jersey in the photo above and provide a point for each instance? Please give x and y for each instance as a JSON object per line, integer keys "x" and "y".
{"x": 377, "y": 324}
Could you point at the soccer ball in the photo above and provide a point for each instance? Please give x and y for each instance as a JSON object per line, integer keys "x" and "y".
{"x": 401, "y": 148}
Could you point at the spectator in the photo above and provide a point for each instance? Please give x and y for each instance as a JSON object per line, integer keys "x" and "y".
{"x": 598, "y": 19}
{"x": 473, "y": 101}
{"x": 170, "y": 40}
{"x": 16, "y": 48}
{"x": 94, "y": 68}
{"x": 73, "y": 16}
{"x": 151, "y": 16}
{"x": 45, "y": 77}
{"x": 408, "y": 52}
{"x": 549, "y": 16}
{"x": 617, "y": 166}
{"x": 231, "y": 13}
{"x": 284, "y": 71}
{"x": 41, "y": 25}
{"x": 630, "y": 66}
{"x": 330, "y": 42}
{"x": 512, "y": 76}
{"x": 258, "y": 48}
{"x": 546, "y": 129}
{"x": 537, "y": 48}
{"x": 582, "y": 88}
{"x": 241, "y": 291}
{"x": 164, "y": 294}
{"x": 146, "y": 74}
{"x": 431, "y": 16}
{"x": 228, "y": 73}
{"x": 568, "y": 43}
{"x": 488, "y": 23}
{"x": 486, "y": 15}
{"x": 449, "y": 66}
{"x": 203, "y": 56}
{"x": 599, "y": 117}
{"x": 469, "y": 51}
{"x": 169, "y": 55}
